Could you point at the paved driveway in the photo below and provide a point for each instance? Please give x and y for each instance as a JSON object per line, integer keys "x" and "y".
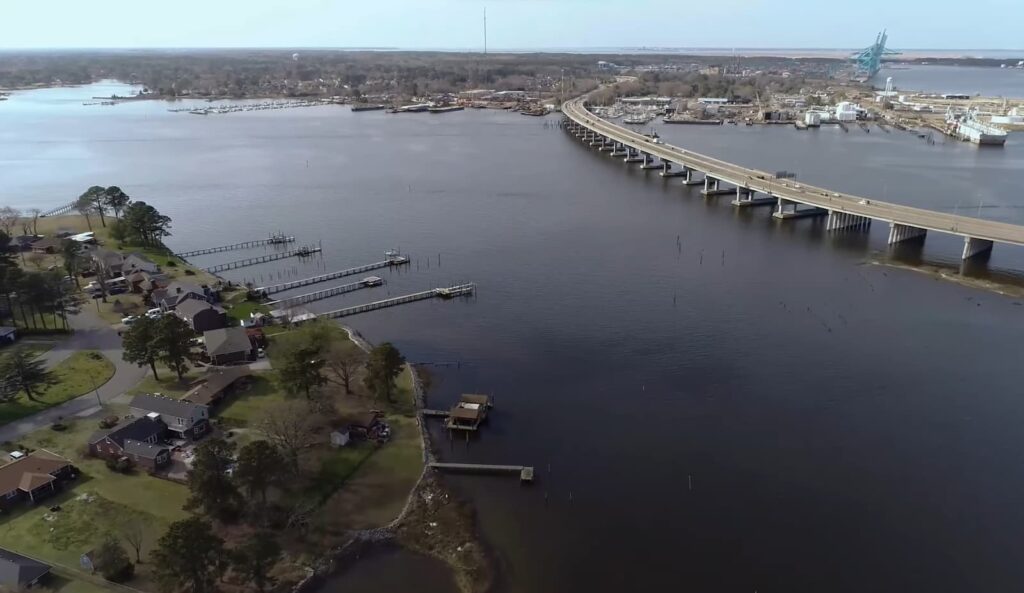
{"x": 91, "y": 333}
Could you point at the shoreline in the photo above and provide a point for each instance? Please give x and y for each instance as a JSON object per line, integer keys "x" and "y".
{"x": 434, "y": 522}
{"x": 950, "y": 274}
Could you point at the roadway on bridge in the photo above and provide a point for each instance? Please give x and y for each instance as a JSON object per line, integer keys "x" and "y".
{"x": 803, "y": 193}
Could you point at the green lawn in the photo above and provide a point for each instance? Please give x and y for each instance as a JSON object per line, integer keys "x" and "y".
{"x": 96, "y": 504}
{"x": 81, "y": 373}
{"x": 242, "y": 309}
{"x": 243, "y": 408}
{"x": 168, "y": 384}
{"x": 336, "y": 467}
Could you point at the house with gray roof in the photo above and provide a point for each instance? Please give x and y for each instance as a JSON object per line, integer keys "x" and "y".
{"x": 136, "y": 262}
{"x": 177, "y": 292}
{"x": 183, "y": 419}
{"x": 229, "y": 345}
{"x": 19, "y": 572}
{"x": 107, "y": 261}
{"x": 141, "y": 440}
{"x": 201, "y": 315}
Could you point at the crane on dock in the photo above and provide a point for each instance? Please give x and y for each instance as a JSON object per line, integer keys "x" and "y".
{"x": 869, "y": 59}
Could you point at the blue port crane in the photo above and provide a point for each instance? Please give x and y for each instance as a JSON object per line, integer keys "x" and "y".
{"x": 869, "y": 60}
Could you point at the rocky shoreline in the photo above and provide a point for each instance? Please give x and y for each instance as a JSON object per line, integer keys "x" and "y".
{"x": 433, "y": 522}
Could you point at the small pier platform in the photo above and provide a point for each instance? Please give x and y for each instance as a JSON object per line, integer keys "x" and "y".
{"x": 525, "y": 472}
{"x": 435, "y": 413}
{"x": 273, "y": 240}
{"x": 444, "y": 293}
{"x": 252, "y": 261}
{"x": 327, "y": 292}
{"x": 392, "y": 260}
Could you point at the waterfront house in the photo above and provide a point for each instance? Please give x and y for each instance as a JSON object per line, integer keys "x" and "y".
{"x": 19, "y": 572}
{"x": 33, "y": 477}
{"x": 217, "y": 384}
{"x": 229, "y": 345}
{"x": 135, "y": 262}
{"x": 144, "y": 282}
{"x": 177, "y": 292}
{"x": 107, "y": 261}
{"x": 140, "y": 440}
{"x": 201, "y": 316}
{"x": 183, "y": 419}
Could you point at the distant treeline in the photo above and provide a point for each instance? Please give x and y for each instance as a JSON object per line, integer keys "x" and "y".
{"x": 257, "y": 73}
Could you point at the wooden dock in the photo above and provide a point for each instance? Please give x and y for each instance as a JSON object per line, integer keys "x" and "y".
{"x": 444, "y": 293}
{"x": 275, "y": 240}
{"x": 525, "y": 472}
{"x": 435, "y": 413}
{"x": 323, "y": 294}
{"x": 252, "y": 261}
{"x": 391, "y": 261}
{"x": 59, "y": 210}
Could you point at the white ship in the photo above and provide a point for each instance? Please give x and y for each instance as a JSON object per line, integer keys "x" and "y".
{"x": 965, "y": 125}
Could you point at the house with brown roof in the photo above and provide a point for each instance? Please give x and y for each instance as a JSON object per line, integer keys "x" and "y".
{"x": 216, "y": 384}
{"x": 140, "y": 440}
{"x": 201, "y": 316}
{"x": 33, "y": 477}
{"x": 48, "y": 245}
{"x": 107, "y": 261}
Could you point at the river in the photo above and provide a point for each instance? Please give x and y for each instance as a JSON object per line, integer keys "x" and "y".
{"x": 713, "y": 400}
{"x": 969, "y": 80}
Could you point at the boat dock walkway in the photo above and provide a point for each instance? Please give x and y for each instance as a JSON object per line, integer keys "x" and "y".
{"x": 59, "y": 210}
{"x": 391, "y": 261}
{"x": 325, "y": 293}
{"x": 435, "y": 413}
{"x": 275, "y": 240}
{"x": 525, "y": 472}
{"x": 444, "y": 293}
{"x": 252, "y": 261}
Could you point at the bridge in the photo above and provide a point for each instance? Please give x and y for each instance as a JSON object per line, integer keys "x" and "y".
{"x": 791, "y": 199}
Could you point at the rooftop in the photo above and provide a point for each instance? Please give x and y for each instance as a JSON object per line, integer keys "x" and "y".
{"x": 40, "y": 462}
{"x": 227, "y": 340}
{"x": 164, "y": 405}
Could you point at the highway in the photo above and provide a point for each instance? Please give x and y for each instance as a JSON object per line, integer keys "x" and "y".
{"x": 795, "y": 191}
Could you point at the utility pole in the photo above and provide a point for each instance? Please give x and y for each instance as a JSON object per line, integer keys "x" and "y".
{"x": 485, "y": 30}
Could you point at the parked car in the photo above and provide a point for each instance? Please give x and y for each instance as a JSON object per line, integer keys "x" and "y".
{"x": 129, "y": 320}
{"x": 154, "y": 313}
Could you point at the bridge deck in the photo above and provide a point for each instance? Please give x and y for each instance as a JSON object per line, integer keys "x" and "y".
{"x": 761, "y": 181}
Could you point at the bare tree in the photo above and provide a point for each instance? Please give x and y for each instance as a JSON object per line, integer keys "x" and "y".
{"x": 36, "y": 213}
{"x": 344, "y": 361}
{"x": 8, "y": 218}
{"x": 291, "y": 427}
{"x": 134, "y": 532}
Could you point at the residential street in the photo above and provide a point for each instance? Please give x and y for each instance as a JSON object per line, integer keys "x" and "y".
{"x": 91, "y": 333}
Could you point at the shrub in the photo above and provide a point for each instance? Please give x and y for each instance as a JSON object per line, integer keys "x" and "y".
{"x": 171, "y": 263}
{"x": 122, "y": 465}
{"x": 189, "y": 273}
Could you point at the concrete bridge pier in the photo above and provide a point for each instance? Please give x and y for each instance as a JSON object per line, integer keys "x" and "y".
{"x": 902, "y": 232}
{"x": 666, "y": 170}
{"x": 746, "y": 197}
{"x": 712, "y": 187}
{"x": 838, "y": 221}
{"x": 974, "y": 247}
{"x": 597, "y": 140}
{"x": 649, "y": 162}
{"x": 607, "y": 146}
{"x": 633, "y": 156}
{"x": 619, "y": 150}
{"x": 787, "y": 209}
{"x": 688, "y": 177}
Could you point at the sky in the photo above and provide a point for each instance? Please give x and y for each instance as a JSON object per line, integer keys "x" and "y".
{"x": 512, "y": 24}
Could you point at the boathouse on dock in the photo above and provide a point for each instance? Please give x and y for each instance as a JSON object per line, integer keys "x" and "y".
{"x": 469, "y": 413}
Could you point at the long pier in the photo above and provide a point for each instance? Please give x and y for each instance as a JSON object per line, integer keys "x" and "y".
{"x": 443, "y": 293}
{"x": 846, "y": 212}
{"x": 59, "y": 210}
{"x": 252, "y": 261}
{"x": 326, "y": 293}
{"x": 525, "y": 471}
{"x": 390, "y": 261}
{"x": 276, "y": 240}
